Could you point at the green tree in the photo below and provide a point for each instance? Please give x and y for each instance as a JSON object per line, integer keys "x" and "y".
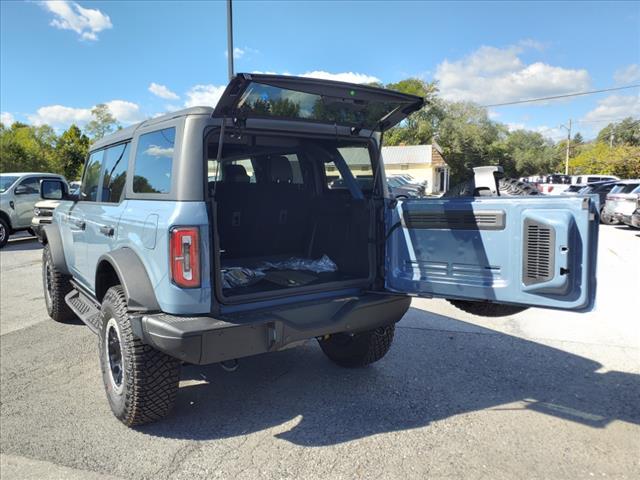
{"x": 529, "y": 153}
{"x": 421, "y": 126}
{"x": 626, "y": 132}
{"x": 622, "y": 161}
{"x": 27, "y": 148}
{"x": 103, "y": 122}
{"x": 70, "y": 152}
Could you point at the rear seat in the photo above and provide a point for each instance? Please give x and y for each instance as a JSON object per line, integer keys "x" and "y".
{"x": 236, "y": 214}
{"x": 265, "y": 218}
{"x": 283, "y": 219}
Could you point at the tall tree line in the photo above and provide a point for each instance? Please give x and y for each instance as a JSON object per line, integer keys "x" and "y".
{"x": 29, "y": 148}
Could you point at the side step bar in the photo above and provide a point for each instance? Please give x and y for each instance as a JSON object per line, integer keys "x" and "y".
{"x": 85, "y": 308}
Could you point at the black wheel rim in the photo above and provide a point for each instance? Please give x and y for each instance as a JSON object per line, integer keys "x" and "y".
{"x": 3, "y": 233}
{"x": 114, "y": 355}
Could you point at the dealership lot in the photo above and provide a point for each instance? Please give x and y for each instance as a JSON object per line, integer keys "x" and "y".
{"x": 540, "y": 394}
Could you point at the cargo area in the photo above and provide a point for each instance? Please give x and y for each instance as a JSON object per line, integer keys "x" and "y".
{"x": 286, "y": 218}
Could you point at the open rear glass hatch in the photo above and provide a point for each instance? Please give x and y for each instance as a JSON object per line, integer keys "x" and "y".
{"x": 310, "y": 99}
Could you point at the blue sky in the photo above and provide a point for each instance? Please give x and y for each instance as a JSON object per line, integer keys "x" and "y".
{"x": 58, "y": 59}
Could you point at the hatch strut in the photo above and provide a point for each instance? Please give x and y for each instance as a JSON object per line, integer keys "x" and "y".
{"x": 219, "y": 155}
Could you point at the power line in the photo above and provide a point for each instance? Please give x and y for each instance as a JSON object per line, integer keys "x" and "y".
{"x": 555, "y": 97}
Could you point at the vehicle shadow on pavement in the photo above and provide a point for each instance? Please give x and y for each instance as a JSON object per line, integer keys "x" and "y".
{"x": 445, "y": 369}
{"x": 22, "y": 244}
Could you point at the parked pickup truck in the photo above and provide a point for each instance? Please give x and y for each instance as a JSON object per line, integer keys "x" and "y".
{"x": 19, "y": 192}
{"x": 207, "y": 235}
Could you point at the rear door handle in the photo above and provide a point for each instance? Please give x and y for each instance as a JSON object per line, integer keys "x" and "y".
{"x": 107, "y": 230}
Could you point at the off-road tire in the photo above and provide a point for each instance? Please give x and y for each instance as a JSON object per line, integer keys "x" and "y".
{"x": 56, "y": 286}
{"x": 359, "y": 349}
{"x": 608, "y": 220}
{"x": 507, "y": 187}
{"x": 487, "y": 309}
{"x": 149, "y": 381}
{"x": 5, "y": 231}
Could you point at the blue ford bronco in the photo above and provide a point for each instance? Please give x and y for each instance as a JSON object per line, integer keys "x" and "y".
{"x": 208, "y": 235}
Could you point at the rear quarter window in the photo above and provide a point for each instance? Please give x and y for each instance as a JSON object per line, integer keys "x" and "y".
{"x": 154, "y": 161}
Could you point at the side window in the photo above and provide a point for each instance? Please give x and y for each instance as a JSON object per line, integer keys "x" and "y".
{"x": 115, "y": 173}
{"x": 296, "y": 171}
{"x": 32, "y": 185}
{"x": 154, "y": 159}
{"x": 91, "y": 177}
{"x": 358, "y": 160}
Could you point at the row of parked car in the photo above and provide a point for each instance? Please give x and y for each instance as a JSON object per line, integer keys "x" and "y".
{"x": 619, "y": 200}
{"x": 405, "y": 186}
{"x": 21, "y": 208}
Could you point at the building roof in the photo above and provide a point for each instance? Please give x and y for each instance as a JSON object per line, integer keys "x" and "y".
{"x": 406, "y": 154}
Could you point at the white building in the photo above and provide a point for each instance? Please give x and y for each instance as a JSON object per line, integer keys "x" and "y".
{"x": 422, "y": 162}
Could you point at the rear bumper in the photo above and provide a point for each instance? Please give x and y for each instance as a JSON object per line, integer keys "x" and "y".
{"x": 203, "y": 340}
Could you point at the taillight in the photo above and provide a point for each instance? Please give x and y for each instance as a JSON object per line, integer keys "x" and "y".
{"x": 550, "y": 189}
{"x": 185, "y": 256}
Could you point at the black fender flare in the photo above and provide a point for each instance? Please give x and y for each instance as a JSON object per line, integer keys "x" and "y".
{"x": 51, "y": 236}
{"x": 133, "y": 278}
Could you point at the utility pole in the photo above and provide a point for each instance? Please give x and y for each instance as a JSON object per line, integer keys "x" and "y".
{"x": 230, "y": 38}
{"x": 611, "y": 137}
{"x": 566, "y": 158}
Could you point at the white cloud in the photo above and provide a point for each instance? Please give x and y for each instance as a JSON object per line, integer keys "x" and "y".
{"x": 554, "y": 133}
{"x": 162, "y": 91}
{"x": 495, "y": 75}
{"x": 60, "y": 116}
{"x": 614, "y": 108}
{"x": 628, "y": 74}
{"x": 204, "y": 95}
{"x": 7, "y": 119}
{"x": 350, "y": 77}
{"x": 125, "y": 112}
{"x": 516, "y": 126}
{"x": 241, "y": 52}
{"x": 156, "y": 151}
{"x": 86, "y": 22}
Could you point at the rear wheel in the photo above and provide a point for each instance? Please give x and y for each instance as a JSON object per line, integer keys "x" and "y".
{"x": 141, "y": 383}
{"x": 507, "y": 187}
{"x": 4, "y": 232}
{"x": 358, "y": 349}
{"x": 608, "y": 219}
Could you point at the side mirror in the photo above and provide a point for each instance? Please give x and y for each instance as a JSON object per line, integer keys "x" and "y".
{"x": 21, "y": 190}
{"x": 52, "y": 189}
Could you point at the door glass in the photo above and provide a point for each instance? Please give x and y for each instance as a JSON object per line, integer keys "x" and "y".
{"x": 32, "y": 185}
{"x": 154, "y": 160}
{"x": 358, "y": 160}
{"x": 115, "y": 173}
{"x": 91, "y": 177}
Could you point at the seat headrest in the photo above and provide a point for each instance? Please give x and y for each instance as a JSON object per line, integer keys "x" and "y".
{"x": 281, "y": 171}
{"x": 234, "y": 173}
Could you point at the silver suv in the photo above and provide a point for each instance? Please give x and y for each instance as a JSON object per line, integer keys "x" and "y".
{"x": 19, "y": 192}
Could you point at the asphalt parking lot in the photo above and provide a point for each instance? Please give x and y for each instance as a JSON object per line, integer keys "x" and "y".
{"x": 541, "y": 394}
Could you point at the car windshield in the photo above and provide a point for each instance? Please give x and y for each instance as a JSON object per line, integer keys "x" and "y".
{"x": 6, "y": 181}
{"x": 394, "y": 182}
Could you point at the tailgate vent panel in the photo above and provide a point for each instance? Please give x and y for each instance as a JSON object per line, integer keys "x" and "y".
{"x": 539, "y": 248}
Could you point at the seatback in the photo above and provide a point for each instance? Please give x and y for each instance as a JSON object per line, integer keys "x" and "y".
{"x": 236, "y": 215}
